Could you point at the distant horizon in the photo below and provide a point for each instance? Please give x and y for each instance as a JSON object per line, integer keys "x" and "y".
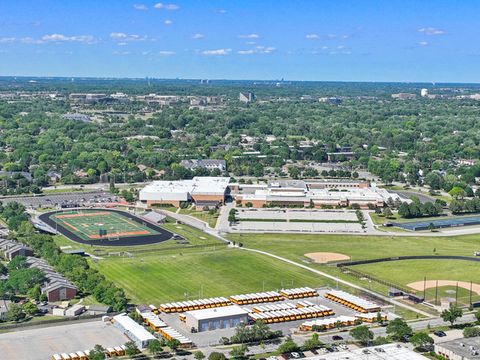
{"x": 285, "y": 81}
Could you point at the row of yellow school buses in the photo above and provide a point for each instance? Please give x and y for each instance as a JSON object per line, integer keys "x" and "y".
{"x": 85, "y": 355}
{"x": 244, "y": 299}
{"x": 159, "y": 326}
{"x": 183, "y": 306}
{"x": 353, "y": 302}
{"x": 342, "y": 321}
{"x": 297, "y": 313}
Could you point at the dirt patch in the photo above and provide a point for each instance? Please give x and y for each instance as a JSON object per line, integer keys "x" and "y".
{"x": 418, "y": 285}
{"x": 326, "y": 257}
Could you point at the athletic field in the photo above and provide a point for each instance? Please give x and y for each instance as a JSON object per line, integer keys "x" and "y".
{"x": 89, "y": 225}
{"x": 105, "y": 227}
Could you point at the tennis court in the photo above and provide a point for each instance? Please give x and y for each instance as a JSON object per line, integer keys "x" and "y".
{"x": 105, "y": 227}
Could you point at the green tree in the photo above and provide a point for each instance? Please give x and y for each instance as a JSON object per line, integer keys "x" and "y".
{"x": 477, "y": 316}
{"x": 154, "y": 347}
{"x": 362, "y": 334}
{"x": 472, "y": 331}
{"x": 216, "y": 356}
{"x": 312, "y": 343}
{"x": 457, "y": 193}
{"x": 421, "y": 340}
{"x": 173, "y": 344}
{"x": 398, "y": 329}
{"x": 238, "y": 352}
{"x": 131, "y": 348}
{"x": 14, "y": 313}
{"x": 30, "y": 308}
{"x": 198, "y": 355}
{"x": 288, "y": 346}
{"x": 98, "y": 353}
{"x": 452, "y": 314}
{"x": 387, "y": 213}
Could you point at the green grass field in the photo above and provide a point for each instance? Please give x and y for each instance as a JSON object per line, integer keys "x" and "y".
{"x": 294, "y": 247}
{"x": 210, "y": 219}
{"x": 87, "y": 224}
{"x": 408, "y": 271}
{"x": 175, "y": 276}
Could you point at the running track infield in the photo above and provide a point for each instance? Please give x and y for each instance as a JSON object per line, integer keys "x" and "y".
{"x": 123, "y": 228}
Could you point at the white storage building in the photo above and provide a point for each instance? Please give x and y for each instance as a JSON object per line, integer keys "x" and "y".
{"x": 133, "y": 331}
{"x": 216, "y": 318}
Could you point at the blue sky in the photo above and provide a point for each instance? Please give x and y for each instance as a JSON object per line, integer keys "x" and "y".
{"x": 347, "y": 40}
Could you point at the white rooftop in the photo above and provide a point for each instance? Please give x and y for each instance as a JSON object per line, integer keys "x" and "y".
{"x": 182, "y": 189}
{"x": 383, "y": 352}
{"x": 128, "y": 324}
{"x": 219, "y": 312}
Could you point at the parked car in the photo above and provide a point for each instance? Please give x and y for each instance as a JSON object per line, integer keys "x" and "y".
{"x": 337, "y": 338}
{"x": 439, "y": 333}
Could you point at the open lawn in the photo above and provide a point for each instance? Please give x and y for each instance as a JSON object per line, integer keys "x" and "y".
{"x": 170, "y": 276}
{"x": 294, "y": 247}
{"x": 210, "y": 219}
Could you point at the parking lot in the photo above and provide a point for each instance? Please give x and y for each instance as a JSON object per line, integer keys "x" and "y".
{"x": 41, "y": 343}
{"x": 296, "y": 220}
{"x": 209, "y": 338}
{"x": 73, "y": 199}
{"x": 297, "y": 214}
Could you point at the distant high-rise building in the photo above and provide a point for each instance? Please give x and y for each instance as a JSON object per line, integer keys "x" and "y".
{"x": 247, "y": 97}
{"x": 424, "y": 92}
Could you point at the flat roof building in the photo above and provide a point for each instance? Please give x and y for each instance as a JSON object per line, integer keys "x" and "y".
{"x": 200, "y": 189}
{"x": 460, "y": 349}
{"x": 216, "y": 318}
{"x": 311, "y": 193}
{"x": 135, "y": 332}
{"x": 382, "y": 352}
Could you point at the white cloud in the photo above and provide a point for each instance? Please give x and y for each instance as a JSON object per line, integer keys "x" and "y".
{"x": 121, "y": 53}
{"x": 6, "y": 40}
{"x": 431, "y": 31}
{"x": 87, "y": 39}
{"x": 251, "y": 43}
{"x": 257, "y": 50}
{"x": 249, "y": 36}
{"x": 166, "y": 6}
{"x": 168, "y": 22}
{"x": 198, "y": 36}
{"x": 216, "y": 52}
{"x": 166, "y": 53}
{"x": 124, "y": 38}
{"x": 246, "y": 52}
{"x": 423, "y": 43}
{"x": 221, "y": 11}
{"x": 312, "y": 36}
{"x": 141, "y": 7}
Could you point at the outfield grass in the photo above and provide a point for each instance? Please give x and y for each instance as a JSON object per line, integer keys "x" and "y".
{"x": 294, "y": 246}
{"x": 400, "y": 272}
{"x": 171, "y": 276}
